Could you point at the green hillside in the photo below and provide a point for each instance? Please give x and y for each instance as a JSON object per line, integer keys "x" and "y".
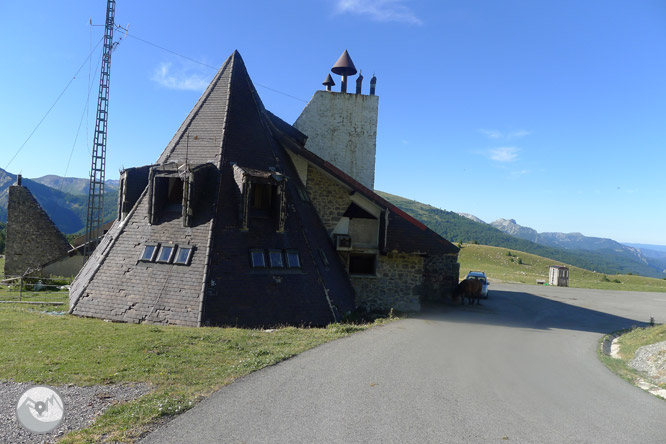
{"x": 67, "y": 211}
{"x": 458, "y": 229}
{"x": 507, "y": 265}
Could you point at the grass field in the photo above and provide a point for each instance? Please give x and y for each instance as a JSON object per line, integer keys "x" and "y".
{"x": 527, "y": 268}
{"x": 183, "y": 365}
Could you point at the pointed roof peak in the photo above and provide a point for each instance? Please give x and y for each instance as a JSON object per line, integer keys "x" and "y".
{"x": 200, "y": 137}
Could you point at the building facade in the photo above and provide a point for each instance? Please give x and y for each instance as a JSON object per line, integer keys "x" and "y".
{"x": 239, "y": 222}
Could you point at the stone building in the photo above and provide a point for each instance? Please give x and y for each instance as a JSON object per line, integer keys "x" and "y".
{"x": 33, "y": 240}
{"x": 245, "y": 220}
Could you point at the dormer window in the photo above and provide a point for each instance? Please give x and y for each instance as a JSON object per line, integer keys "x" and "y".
{"x": 262, "y": 198}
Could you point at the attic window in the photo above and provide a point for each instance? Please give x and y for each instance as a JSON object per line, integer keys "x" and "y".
{"x": 166, "y": 253}
{"x": 183, "y": 256}
{"x": 257, "y": 259}
{"x": 275, "y": 257}
{"x": 263, "y": 195}
{"x": 362, "y": 264}
{"x": 293, "y": 260}
{"x": 148, "y": 254}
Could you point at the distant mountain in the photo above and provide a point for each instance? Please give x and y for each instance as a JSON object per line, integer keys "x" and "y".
{"x": 654, "y": 260}
{"x": 68, "y": 211}
{"x": 457, "y": 228}
{"x": 74, "y": 185}
{"x": 471, "y": 217}
{"x": 653, "y": 251}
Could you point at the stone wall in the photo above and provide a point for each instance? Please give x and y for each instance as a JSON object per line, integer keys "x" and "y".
{"x": 397, "y": 284}
{"x": 329, "y": 198}
{"x": 342, "y": 129}
{"x": 32, "y": 237}
{"x": 440, "y": 277}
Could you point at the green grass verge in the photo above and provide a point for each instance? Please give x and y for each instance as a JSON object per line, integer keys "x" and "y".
{"x": 629, "y": 342}
{"x": 527, "y": 268}
{"x": 182, "y": 364}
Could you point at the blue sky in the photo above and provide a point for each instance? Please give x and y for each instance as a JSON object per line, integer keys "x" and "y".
{"x": 551, "y": 112}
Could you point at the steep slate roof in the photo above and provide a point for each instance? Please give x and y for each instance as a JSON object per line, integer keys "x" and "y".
{"x": 405, "y": 233}
{"x": 227, "y": 126}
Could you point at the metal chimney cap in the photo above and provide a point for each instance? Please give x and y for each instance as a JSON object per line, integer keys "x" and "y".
{"x": 329, "y": 81}
{"x": 344, "y": 66}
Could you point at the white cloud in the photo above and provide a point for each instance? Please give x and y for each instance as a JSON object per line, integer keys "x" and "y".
{"x": 380, "y": 10}
{"x": 504, "y": 154}
{"x": 181, "y": 79}
{"x": 516, "y": 174}
{"x": 491, "y": 134}
{"x": 518, "y": 134}
{"x": 511, "y": 135}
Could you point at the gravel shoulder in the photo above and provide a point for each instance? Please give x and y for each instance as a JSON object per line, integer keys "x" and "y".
{"x": 82, "y": 406}
{"x": 651, "y": 359}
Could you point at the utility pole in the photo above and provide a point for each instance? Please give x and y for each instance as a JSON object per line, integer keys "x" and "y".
{"x": 95, "y": 217}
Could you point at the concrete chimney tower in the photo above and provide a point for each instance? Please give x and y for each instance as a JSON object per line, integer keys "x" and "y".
{"x": 342, "y": 129}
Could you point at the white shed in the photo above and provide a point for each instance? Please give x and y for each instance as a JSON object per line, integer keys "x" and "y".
{"x": 558, "y": 276}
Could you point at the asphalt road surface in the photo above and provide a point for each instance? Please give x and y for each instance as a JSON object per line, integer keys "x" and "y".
{"x": 521, "y": 368}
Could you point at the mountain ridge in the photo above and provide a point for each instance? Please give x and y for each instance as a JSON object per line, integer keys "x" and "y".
{"x": 608, "y": 258}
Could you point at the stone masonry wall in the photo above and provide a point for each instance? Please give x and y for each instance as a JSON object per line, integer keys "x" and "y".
{"x": 329, "y": 198}
{"x": 32, "y": 238}
{"x": 398, "y": 284}
{"x": 440, "y": 276}
{"x": 342, "y": 129}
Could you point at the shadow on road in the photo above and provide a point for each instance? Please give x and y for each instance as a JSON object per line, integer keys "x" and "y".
{"x": 524, "y": 310}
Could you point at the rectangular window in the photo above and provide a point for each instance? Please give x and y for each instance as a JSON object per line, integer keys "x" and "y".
{"x": 293, "y": 260}
{"x": 261, "y": 196}
{"x": 166, "y": 253}
{"x": 148, "y": 254}
{"x": 183, "y": 256}
{"x": 257, "y": 259}
{"x": 275, "y": 257}
{"x": 362, "y": 264}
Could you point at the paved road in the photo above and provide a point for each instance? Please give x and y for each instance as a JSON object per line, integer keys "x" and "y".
{"x": 521, "y": 368}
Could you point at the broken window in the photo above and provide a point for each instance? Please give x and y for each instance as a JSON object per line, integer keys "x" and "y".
{"x": 167, "y": 198}
{"x": 183, "y": 256}
{"x": 362, "y": 264}
{"x": 275, "y": 257}
{"x": 148, "y": 254}
{"x": 293, "y": 259}
{"x": 166, "y": 253}
{"x": 257, "y": 259}
{"x": 263, "y": 198}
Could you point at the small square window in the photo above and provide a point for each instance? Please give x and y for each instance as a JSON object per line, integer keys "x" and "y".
{"x": 293, "y": 259}
{"x": 183, "y": 256}
{"x": 275, "y": 257}
{"x": 257, "y": 258}
{"x": 148, "y": 254}
{"x": 166, "y": 253}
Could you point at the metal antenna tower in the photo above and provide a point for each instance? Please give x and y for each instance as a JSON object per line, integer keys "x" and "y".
{"x": 96, "y": 191}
